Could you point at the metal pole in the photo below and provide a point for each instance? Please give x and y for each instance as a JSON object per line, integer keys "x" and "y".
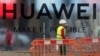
{"x": 44, "y": 30}
{"x": 44, "y": 35}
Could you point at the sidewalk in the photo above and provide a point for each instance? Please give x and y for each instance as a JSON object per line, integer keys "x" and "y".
{"x": 15, "y": 53}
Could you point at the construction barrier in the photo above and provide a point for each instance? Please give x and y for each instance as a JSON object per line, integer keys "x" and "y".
{"x": 68, "y": 47}
{"x": 90, "y": 47}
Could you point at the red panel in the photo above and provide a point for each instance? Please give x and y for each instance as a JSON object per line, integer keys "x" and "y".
{"x": 9, "y": 4}
{"x": 88, "y": 40}
{"x": 65, "y": 41}
{"x": 1, "y": 10}
{"x": 53, "y": 42}
{"x": 40, "y": 42}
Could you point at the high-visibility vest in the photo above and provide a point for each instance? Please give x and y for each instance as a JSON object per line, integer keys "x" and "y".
{"x": 58, "y": 36}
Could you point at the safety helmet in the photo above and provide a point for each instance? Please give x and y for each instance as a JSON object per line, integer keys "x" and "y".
{"x": 62, "y": 21}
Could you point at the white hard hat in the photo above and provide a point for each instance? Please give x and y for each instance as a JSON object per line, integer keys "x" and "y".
{"x": 62, "y": 21}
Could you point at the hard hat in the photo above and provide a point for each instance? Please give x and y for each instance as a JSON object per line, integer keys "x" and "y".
{"x": 62, "y": 21}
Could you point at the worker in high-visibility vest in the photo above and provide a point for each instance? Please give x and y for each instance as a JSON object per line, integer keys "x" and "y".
{"x": 61, "y": 32}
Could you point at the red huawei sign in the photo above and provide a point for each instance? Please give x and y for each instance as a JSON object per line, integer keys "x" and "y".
{"x": 9, "y": 6}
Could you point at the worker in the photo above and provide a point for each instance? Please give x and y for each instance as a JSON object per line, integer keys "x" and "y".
{"x": 9, "y": 40}
{"x": 61, "y": 32}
